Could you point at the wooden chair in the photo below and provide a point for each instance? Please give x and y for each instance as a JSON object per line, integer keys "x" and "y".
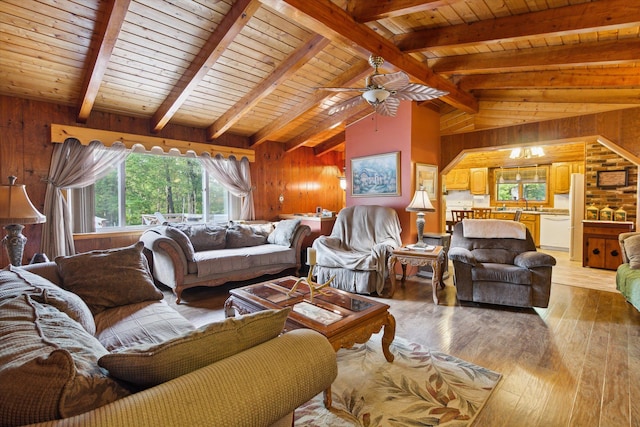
{"x": 481, "y": 213}
{"x": 460, "y": 215}
{"x": 516, "y": 216}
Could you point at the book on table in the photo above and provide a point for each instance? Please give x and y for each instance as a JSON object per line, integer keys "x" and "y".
{"x": 414, "y": 247}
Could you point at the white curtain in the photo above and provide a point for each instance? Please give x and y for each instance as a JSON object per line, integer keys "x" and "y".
{"x": 235, "y": 177}
{"x": 73, "y": 166}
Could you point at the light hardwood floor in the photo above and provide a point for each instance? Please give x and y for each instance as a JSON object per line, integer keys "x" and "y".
{"x": 575, "y": 363}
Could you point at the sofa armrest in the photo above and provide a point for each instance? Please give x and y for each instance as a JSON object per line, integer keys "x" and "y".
{"x": 169, "y": 261}
{"x": 533, "y": 259}
{"x": 299, "y": 235}
{"x": 462, "y": 255}
{"x": 256, "y": 387}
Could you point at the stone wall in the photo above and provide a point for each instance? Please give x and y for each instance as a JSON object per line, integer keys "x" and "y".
{"x": 600, "y": 158}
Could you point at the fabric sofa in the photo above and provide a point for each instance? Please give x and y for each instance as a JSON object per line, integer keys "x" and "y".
{"x": 88, "y": 341}
{"x": 183, "y": 256}
{"x": 496, "y": 262}
{"x": 628, "y": 273}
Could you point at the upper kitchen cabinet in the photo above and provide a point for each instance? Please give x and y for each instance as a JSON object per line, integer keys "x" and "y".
{"x": 457, "y": 179}
{"x": 561, "y": 175}
{"x": 478, "y": 183}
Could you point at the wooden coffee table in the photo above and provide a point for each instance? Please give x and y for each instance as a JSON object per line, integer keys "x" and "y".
{"x": 342, "y": 317}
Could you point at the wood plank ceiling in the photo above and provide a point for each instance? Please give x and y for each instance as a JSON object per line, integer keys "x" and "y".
{"x": 252, "y": 68}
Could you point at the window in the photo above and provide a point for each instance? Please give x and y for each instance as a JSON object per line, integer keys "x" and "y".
{"x": 176, "y": 187}
{"x": 515, "y": 185}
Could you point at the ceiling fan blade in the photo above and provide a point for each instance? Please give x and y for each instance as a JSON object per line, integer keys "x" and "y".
{"x": 391, "y": 81}
{"x": 418, "y": 92}
{"x": 342, "y": 89}
{"x": 351, "y": 102}
{"x": 388, "y": 108}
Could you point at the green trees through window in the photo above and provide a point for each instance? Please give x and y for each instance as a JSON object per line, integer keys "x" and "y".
{"x": 176, "y": 187}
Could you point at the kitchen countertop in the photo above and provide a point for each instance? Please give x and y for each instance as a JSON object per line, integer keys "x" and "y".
{"x": 545, "y": 211}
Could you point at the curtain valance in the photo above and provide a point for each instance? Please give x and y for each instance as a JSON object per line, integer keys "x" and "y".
{"x": 60, "y": 133}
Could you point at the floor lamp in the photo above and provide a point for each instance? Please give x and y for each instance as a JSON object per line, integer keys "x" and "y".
{"x": 16, "y": 209}
{"x": 420, "y": 204}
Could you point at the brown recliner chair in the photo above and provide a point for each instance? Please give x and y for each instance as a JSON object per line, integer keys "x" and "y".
{"x": 496, "y": 262}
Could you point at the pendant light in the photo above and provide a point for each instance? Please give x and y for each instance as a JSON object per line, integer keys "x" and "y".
{"x": 536, "y": 177}
{"x": 518, "y": 177}
{"x": 501, "y": 180}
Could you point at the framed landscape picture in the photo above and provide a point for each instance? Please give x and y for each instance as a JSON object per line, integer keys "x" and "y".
{"x": 618, "y": 178}
{"x": 377, "y": 175}
{"x": 427, "y": 179}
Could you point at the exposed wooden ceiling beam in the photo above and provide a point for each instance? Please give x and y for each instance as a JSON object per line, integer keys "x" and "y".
{"x": 367, "y": 10}
{"x": 220, "y": 39}
{"x": 282, "y": 72}
{"x": 337, "y": 20}
{"x": 579, "y": 78}
{"x": 602, "y": 15}
{"x": 357, "y": 72}
{"x": 325, "y": 124}
{"x": 594, "y": 53}
{"x": 100, "y": 56}
{"x": 330, "y": 144}
{"x": 577, "y": 96}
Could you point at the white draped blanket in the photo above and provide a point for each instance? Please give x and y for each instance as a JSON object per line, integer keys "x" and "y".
{"x": 494, "y": 229}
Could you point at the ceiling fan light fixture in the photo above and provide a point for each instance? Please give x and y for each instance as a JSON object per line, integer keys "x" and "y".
{"x": 376, "y": 96}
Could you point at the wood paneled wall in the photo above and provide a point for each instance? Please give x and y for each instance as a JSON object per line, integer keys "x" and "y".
{"x": 306, "y": 181}
{"x": 622, "y": 127}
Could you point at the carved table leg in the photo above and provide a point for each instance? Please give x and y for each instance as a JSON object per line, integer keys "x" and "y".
{"x": 327, "y": 398}
{"x": 392, "y": 274}
{"x": 387, "y": 337}
{"x": 435, "y": 279}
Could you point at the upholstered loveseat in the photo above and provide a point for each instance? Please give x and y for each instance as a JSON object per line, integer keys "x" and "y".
{"x": 184, "y": 256}
{"x": 628, "y": 273}
{"x": 108, "y": 351}
{"x": 496, "y": 262}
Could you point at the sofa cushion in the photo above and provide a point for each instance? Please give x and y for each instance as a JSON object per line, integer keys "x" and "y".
{"x": 148, "y": 322}
{"x": 109, "y": 278}
{"x": 241, "y": 236}
{"x": 182, "y": 240}
{"x": 228, "y": 261}
{"x": 489, "y": 272}
{"x": 148, "y": 365}
{"x": 48, "y": 365}
{"x": 284, "y": 231}
{"x": 204, "y": 237}
{"x": 632, "y": 248}
{"x": 15, "y": 281}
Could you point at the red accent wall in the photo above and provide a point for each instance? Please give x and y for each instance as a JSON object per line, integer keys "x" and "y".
{"x": 415, "y": 133}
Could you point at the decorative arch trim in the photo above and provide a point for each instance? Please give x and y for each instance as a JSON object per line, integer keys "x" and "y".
{"x": 60, "y": 133}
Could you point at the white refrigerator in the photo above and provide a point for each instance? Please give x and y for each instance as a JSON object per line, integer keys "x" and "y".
{"x": 576, "y": 213}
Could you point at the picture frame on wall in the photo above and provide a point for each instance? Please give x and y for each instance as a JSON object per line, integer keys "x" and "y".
{"x": 376, "y": 175}
{"x": 427, "y": 179}
{"x": 610, "y": 179}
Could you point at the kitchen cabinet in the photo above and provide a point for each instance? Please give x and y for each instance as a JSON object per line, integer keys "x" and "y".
{"x": 478, "y": 181}
{"x": 561, "y": 175}
{"x": 457, "y": 179}
{"x": 600, "y": 243}
{"x": 531, "y": 221}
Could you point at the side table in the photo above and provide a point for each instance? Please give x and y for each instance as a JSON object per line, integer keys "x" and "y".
{"x": 418, "y": 258}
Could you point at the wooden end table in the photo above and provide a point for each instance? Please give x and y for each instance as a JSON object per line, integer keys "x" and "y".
{"x": 342, "y": 317}
{"x": 418, "y": 258}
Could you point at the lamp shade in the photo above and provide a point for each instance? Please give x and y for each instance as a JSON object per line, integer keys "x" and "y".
{"x": 420, "y": 202}
{"x": 376, "y": 96}
{"x": 15, "y": 206}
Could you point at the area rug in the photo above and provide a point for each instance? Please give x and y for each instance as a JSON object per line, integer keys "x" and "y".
{"x": 419, "y": 388}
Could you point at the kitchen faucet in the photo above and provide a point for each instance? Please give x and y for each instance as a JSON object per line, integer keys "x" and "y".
{"x": 526, "y": 204}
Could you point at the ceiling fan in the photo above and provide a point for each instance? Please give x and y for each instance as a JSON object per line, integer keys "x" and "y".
{"x": 385, "y": 91}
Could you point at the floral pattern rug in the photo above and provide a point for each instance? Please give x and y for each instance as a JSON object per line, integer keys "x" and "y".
{"x": 419, "y": 388}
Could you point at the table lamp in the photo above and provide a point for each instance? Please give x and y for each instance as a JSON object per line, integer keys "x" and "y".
{"x": 16, "y": 209}
{"x": 420, "y": 204}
